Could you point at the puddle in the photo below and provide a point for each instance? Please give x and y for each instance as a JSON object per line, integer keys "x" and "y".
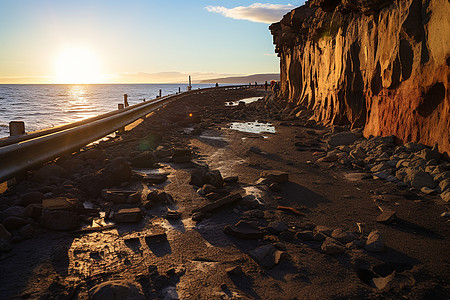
{"x": 253, "y": 127}
{"x": 246, "y": 101}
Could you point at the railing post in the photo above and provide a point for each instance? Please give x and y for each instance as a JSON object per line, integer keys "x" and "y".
{"x": 160, "y": 93}
{"x": 16, "y": 128}
{"x": 125, "y": 100}
{"x": 179, "y": 89}
{"x": 122, "y": 129}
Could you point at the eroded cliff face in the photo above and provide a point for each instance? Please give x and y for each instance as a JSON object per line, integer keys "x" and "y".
{"x": 381, "y": 64}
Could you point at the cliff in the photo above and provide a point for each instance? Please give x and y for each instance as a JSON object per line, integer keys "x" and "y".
{"x": 381, "y": 64}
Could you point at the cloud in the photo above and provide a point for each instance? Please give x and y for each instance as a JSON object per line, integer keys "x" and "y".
{"x": 256, "y": 12}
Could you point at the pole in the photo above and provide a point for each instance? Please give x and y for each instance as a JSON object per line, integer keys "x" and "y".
{"x": 125, "y": 100}
{"x": 160, "y": 93}
{"x": 121, "y": 106}
{"x": 16, "y": 128}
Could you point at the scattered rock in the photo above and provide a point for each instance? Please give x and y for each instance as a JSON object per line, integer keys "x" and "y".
{"x": 12, "y": 223}
{"x": 243, "y": 230}
{"x": 277, "y": 227}
{"x": 33, "y": 211}
{"x": 202, "y": 176}
{"x": 275, "y": 176}
{"x": 27, "y": 231}
{"x": 341, "y": 138}
{"x": 331, "y": 246}
{"x": 47, "y": 171}
{"x": 266, "y": 256}
{"x": 218, "y": 204}
{"x": 305, "y": 235}
{"x": 444, "y": 185}
{"x": 375, "y": 242}
{"x": 60, "y": 220}
{"x": 32, "y": 198}
{"x": 419, "y": 179}
{"x": 322, "y": 229}
{"x": 446, "y": 196}
{"x": 155, "y": 178}
{"x": 231, "y": 179}
{"x": 145, "y": 159}
{"x": 4, "y": 233}
{"x": 173, "y": 215}
{"x": 254, "y": 213}
{"x": 274, "y": 187}
{"x": 343, "y": 236}
{"x": 128, "y": 215}
{"x": 116, "y": 289}
{"x": 387, "y": 217}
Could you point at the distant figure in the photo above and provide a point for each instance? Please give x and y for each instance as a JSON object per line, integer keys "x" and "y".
{"x": 266, "y": 85}
{"x": 272, "y": 82}
{"x": 256, "y": 84}
{"x": 217, "y": 84}
{"x": 125, "y": 100}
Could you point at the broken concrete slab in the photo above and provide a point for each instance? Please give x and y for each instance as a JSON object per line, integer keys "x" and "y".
{"x": 128, "y": 215}
{"x": 218, "y": 204}
{"x": 266, "y": 256}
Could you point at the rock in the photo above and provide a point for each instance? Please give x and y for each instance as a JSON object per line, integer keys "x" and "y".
{"x": 277, "y": 227}
{"x": 343, "y": 236}
{"x": 15, "y": 211}
{"x": 386, "y": 92}
{"x": 134, "y": 198}
{"x": 305, "y": 235}
{"x": 202, "y": 176}
{"x": 128, "y": 215}
{"x": 444, "y": 185}
{"x": 12, "y": 223}
{"x": 116, "y": 196}
{"x": 231, "y": 179}
{"x": 429, "y": 154}
{"x": 444, "y": 215}
{"x": 266, "y": 256}
{"x": 145, "y": 159}
{"x": 92, "y": 154}
{"x": 341, "y": 138}
{"x": 213, "y": 196}
{"x": 438, "y": 177}
{"x": 446, "y": 196}
{"x": 331, "y": 246}
{"x": 322, "y": 229}
{"x": 114, "y": 174}
{"x": 160, "y": 152}
{"x": 47, "y": 171}
{"x": 274, "y": 187}
{"x": 155, "y": 178}
{"x": 173, "y": 215}
{"x": 32, "y": 198}
{"x": 27, "y": 231}
{"x": 375, "y": 242}
{"x": 181, "y": 155}
{"x": 160, "y": 197}
{"x": 60, "y": 220}
{"x": 427, "y": 190}
{"x": 330, "y": 157}
{"x": 223, "y": 202}
{"x": 419, "y": 179}
{"x": 243, "y": 230}
{"x": 380, "y": 167}
{"x": 117, "y": 290}
{"x": 61, "y": 203}
{"x": 208, "y": 188}
{"x": 33, "y": 211}
{"x": 4, "y": 233}
{"x": 5, "y": 245}
{"x": 387, "y": 217}
{"x": 356, "y": 244}
{"x": 234, "y": 271}
{"x": 275, "y": 176}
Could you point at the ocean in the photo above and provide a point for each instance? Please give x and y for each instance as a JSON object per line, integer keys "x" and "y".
{"x": 43, "y": 106}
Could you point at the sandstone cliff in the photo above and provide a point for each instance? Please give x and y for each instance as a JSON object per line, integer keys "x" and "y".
{"x": 381, "y": 64}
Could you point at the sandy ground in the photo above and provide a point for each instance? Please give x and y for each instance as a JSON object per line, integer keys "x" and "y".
{"x": 192, "y": 260}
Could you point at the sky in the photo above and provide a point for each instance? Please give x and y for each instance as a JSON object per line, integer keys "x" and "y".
{"x": 111, "y": 41}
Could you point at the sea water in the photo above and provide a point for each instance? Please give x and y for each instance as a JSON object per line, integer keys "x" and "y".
{"x": 43, "y": 106}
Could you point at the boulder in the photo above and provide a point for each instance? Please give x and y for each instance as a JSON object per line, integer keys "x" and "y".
{"x": 266, "y": 256}
{"x": 341, "y": 138}
{"x": 145, "y": 159}
{"x": 275, "y": 175}
{"x": 4, "y": 233}
{"x": 277, "y": 227}
{"x": 444, "y": 185}
{"x": 50, "y": 170}
{"x": 201, "y": 176}
{"x": 343, "y": 236}
{"x": 32, "y": 198}
{"x": 128, "y": 215}
{"x": 15, "y": 211}
{"x": 419, "y": 179}
{"x": 59, "y": 220}
{"x": 12, "y": 223}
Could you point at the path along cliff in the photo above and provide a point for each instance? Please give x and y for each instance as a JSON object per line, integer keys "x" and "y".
{"x": 378, "y": 64}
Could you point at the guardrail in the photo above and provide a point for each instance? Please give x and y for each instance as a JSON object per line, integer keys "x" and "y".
{"x": 21, "y": 153}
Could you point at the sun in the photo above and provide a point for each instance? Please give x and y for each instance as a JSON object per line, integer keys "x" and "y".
{"x": 77, "y": 65}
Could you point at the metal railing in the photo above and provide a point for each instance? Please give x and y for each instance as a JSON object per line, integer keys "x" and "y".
{"x": 21, "y": 153}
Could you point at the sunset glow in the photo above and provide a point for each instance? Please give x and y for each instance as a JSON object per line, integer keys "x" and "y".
{"x": 77, "y": 65}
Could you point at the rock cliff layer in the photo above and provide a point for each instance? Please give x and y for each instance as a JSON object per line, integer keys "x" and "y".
{"x": 381, "y": 64}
